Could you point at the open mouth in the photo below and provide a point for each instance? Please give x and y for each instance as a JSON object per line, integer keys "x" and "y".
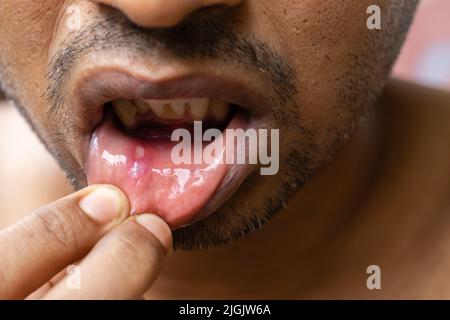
{"x": 132, "y": 148}
{"x": 126, "y": 120}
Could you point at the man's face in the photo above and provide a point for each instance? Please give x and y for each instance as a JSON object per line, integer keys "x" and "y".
{"x": 307, "y": 68}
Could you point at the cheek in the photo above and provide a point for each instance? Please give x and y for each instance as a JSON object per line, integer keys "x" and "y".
{"x": 327, "y": 44}
{"x": 26, "y": 32}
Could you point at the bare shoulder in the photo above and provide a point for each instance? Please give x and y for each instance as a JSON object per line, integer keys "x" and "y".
{"x": 416, "y": 111}
{"x": 412, "y": 97}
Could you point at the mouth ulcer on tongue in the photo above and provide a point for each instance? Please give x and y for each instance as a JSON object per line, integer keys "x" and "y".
{"x": 143, "y": 169}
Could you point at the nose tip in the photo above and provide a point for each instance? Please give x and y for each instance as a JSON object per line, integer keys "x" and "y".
{"x": 161, "y": 13}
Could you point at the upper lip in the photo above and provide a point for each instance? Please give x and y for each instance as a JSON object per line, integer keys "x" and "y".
{"x": 103, "y": 85}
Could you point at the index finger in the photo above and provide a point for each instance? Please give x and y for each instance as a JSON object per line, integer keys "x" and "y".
{"x": 42, "y": 244}
{"x": 123, "y": 264}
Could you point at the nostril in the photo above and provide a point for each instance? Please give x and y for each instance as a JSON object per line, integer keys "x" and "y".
{"x": 162, "y": 13}
{"x": 157, "y": 14}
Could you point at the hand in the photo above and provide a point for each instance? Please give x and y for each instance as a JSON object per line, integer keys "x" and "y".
{"x": 118, "y": 257}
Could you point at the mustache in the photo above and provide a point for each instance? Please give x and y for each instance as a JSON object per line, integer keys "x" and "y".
{"x": 208, "y": 36}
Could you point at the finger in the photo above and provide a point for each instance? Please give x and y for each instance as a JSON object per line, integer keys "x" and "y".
{"x": 123, "y": 264}
{"x": 40, "y": 292}
{"x": 39, "y": 246}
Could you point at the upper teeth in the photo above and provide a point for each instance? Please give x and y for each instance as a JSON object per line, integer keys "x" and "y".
{"x": 198, "y": 107}
{"x": 176, "y": 109}
{"x": 126, "y": 111}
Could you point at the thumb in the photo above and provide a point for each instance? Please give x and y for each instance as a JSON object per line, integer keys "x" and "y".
{"x": 42, "y": 244}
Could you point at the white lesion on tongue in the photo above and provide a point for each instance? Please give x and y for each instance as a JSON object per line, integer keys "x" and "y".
{"x": 139, "y": 153}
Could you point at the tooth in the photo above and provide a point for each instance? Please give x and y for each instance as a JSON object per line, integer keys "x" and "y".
{"x": 142, "y": 106}
{"x": 169, "y": 113}
{"x": 157, "y": 106}
{"x": 126, "y": 111}
{"x": 219, "y": 109}
{"x": 198, "y": 107}
{"x": 163, "y": 109}
{"x": 178, "y": 107}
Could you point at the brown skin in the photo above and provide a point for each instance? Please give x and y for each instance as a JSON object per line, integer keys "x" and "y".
{"x": 381, "y": 201}
{"x": 334, "y": 68}
{"x": 36, "y": 250}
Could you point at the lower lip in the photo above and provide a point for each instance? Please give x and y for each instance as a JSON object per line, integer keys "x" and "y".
{"x": 143, "y": 169}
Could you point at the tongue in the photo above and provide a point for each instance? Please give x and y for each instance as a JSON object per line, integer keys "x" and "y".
{"x": 143, "y": 169}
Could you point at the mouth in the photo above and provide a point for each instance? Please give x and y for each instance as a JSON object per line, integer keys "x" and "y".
{"x": 129, "y": 121}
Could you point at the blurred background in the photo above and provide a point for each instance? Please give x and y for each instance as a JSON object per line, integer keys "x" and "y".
{"x": 28, "y": 172}
{"x": 425, "y": 57}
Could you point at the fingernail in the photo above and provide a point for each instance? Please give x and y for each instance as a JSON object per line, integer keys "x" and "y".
{"x": 104, "y": 204}
{"x": 158, "y": 228}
